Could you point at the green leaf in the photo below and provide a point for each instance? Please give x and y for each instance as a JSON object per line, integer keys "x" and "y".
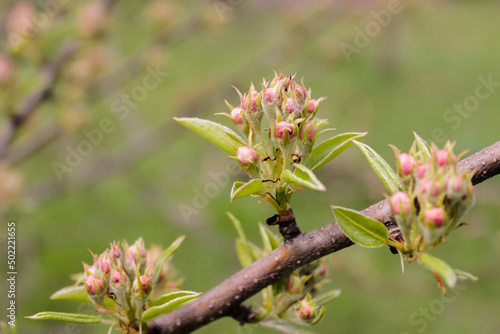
{"x": 168, "y": 306}
{"x": 76, "y": 318}
{"x": 269, "y": 239}
{"x": 165, "y": 298}
{"x": 423, "y": 147}
{"x": 166, "y": 254}
{"x": 244, "y": 253}
{"x": 302, "y": 176}
{"x": 241, "y": 189}
{"x": 214, "y": 132}
{"x": 77, "y": 293}
{"x": 328, "y": 296}
{"x": 439, "y": 267}
{"x": 360, "y": 229}
{"x": 381, "y": 167}
{"x": 330, "y": 148}
{"x": 465, "y": 275}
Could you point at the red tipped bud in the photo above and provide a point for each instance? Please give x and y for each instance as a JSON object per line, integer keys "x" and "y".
{"x": 117, "y": 277}
{"x": 441, "y": 158}
{"x": 236, "y": 115}
{"x": 290, "y": 106}
{"x": 311, "y": 132}
{"x": 429, "y": 187}
{"x": 282, "y": 128}
{"x": 422, "y": 170}
{"x": 435, "y": 216}
{"x": 323, "y": 270}
{"x": 311, "y": 107}
{"x": 400, "y": 202}
{"x": 251, "y": 103}
{"x": 406, "y": 163}
{"x": 94, "y": 285}
{"x": 305, "y": 310}
{"x": 272, "y": 95}
{"x": 246, "y": 155}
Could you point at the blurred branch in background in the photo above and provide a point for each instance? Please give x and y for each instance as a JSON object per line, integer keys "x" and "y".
{"x": 226, "y": 299}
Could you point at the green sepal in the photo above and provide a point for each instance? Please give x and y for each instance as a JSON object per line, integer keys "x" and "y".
{"x": 269, "y": 239}
{"x": 423, "y": 147}
{"x": 361, "y": 229}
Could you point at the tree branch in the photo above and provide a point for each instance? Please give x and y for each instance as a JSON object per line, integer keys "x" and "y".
{"x": 51, "y": 73}
{"x": 226, "y": 298}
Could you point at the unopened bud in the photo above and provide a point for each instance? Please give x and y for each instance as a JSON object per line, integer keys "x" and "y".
{"x": 94, "y": 285}
{"x": 246, "y": 155}
{"x": 441, "y": 157}
{"x": 311, "y": 132}
{"x": 290, "y": 106}
{"x": 406, "y": 162}
{"x": 311, "y": 107}
{"x": 92, "y": 19}
{"x": 236, "y": 115}
{"x": 118, "y": 277}
{"x": 284, "y": 127}
{"x": 429, "y": 187}
{"x": 400, "y": 203}
{"x": 421, "y": 170}
{"x": 272, "y": 95}
{"x": 435, "y": 216}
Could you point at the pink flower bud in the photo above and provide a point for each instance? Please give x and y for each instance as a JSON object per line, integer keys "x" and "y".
{"x": 400, "y": 200}
{"x": 441, "y": 158}
{"x": 93, "y": 283}
{"x": 250, "y": 103}
{"x": 407, "y": 162}
{"x": 236, "y": 115}
{"x": 272, "y": 96}
{"x": 283, "y": 127}
{"x": 300, "y": 92}
{"x": 145, "y": 283}
{"x": 117, "y": 277}
{"x": 290, "y": 106}
{"x": 92, "y": 19}
{"x": 304, "y": 310}
{"x": 20, "y": 19}
{"x": 421, "y": 170}
{"x": 435, "y": 216}
{"x": 429, "y": 187}
{"x": 131, "y": 253}
{"x": 311, "y": 132}
{"x": 311, "y": 107}
{"x": 246, "y": 155}
{"x": 323, "y": 270}
{"x": 105, "y": 266}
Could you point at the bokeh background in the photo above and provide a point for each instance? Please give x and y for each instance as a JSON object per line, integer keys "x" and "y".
{"x": 400, "y": 77}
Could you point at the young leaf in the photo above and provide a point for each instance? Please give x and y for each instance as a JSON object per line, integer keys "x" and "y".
{"x": 362, "y": 230}
{"x": 214, "y": 132}
{"x": 76, "y": 318}
{"x": 166, "y": 254}
{"x": 241, "y": 189}
{"x": 76, "y": 293}
{"x": 168, "y": 306}
{"x": 381, "y": 167}
{"x": 439, "y": 267}
{"x": 465, "y": 275}
{"x": 269, "y": 239}
{"x": 303, "y": 176}
{"x": 244, "y": 253}
{"x": 422, "y": 145}
{"x": 328, "y": 296}
{"x": 331, "y": 148}
{"x": 171, "y": 296}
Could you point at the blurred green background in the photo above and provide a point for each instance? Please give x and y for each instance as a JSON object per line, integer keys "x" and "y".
{"x": 429, "y": 57}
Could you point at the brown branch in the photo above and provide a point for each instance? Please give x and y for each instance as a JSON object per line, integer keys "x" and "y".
{"x": 226, "y": 298}
{"x": 51, "y": 73}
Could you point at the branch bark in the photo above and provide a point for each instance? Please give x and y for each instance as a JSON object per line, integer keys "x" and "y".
{"x": 226, "y": 299}
{"x": 51, "y": 73}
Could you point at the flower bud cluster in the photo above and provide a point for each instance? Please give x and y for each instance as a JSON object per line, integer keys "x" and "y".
{"x": 120, "y": 281}
{"x": 283, "y": 137}
{"x": 435, "y": 196}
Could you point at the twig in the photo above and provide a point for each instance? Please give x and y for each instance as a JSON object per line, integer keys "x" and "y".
{"x": 226, "y": 298}
{"x": 51, "y": 73}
